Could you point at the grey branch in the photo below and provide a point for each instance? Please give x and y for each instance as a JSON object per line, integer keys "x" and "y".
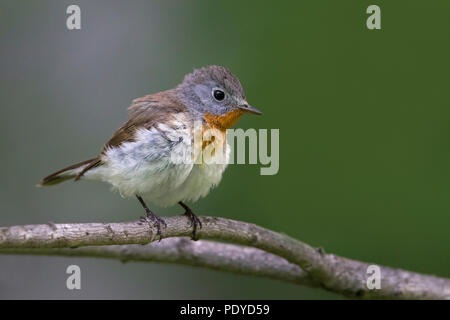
{"x": 182, "y": 250}
{"x": 331, "y": 272}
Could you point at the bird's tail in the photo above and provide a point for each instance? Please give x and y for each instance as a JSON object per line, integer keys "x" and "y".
{"x": 75, "y": 171}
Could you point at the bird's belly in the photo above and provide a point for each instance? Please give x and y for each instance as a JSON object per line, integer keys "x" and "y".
{"x": 158, "y": 179}
{"x": 199, "y": 182}
{"x": 156, "y": 182}
{"x": 145, "y": 167}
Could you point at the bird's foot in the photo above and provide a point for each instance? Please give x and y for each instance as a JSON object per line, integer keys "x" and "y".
{"x": 156, "y": 220}
{"x": 194, "y": 223}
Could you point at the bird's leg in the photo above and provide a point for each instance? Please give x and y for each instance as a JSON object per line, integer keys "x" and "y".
{"x": 150, "y": 216}
{"x": 195, "y": 221}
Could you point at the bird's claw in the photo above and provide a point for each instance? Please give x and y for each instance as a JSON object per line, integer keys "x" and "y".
{"x": 156, "y": 221}
{"x": 194, "y": 222}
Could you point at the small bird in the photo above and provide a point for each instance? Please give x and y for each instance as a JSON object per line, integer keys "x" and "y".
{"x": 138, "y": 160}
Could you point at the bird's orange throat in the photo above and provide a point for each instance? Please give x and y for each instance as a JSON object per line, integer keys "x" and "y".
{"x": 225, "y": 121}
{"x": 214, "y": 133}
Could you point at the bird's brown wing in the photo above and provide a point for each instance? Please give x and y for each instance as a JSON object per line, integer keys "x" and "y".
{"x": 146, "y": 112}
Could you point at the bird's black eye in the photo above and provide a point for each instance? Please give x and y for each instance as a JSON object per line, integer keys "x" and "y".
{"x": 219, "y": 95}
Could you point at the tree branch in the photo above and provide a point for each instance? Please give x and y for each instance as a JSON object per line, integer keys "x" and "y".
{"x": 181, "y": 250}
{"x": 334, "y": 273}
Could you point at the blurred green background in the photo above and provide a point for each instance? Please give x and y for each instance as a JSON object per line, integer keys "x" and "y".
{"x": 363, "y": 118}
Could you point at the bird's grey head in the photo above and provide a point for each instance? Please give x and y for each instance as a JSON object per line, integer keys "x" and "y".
{"x": 214, "y": 90}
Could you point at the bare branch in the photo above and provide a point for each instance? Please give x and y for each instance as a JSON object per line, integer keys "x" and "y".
{"x": 181, "y": 250}
{"x": 334, "y": 273}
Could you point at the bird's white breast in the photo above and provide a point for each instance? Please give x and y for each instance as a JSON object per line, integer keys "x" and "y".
{"x": 146, "y": 166}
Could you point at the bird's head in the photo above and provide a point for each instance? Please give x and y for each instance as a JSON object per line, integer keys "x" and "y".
{"x": 216, "y": 94}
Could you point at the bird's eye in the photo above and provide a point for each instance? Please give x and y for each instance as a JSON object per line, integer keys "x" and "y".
{"x": 219, "y": 95}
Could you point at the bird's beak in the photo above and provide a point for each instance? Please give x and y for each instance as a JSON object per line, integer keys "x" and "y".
{"x": 247, "y": 108}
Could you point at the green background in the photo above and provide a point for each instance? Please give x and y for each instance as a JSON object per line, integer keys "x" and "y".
{"x": 363, "y": 118}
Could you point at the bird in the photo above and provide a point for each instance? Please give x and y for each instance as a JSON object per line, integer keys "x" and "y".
{"x": 140, "y": 159}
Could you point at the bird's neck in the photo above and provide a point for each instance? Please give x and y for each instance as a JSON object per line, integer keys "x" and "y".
{"x": 224, "y": 121}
